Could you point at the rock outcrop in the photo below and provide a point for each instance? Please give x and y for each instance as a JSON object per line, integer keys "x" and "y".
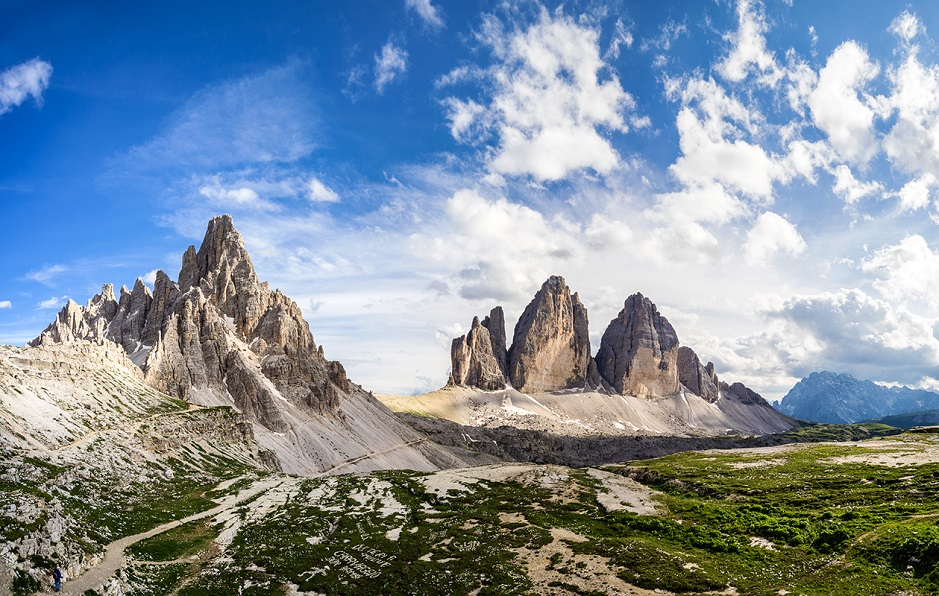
{"x": 551, "y": 346}
{"x": 77, "y": 323}
{"x": 185, "y": 335}
{"x": 698, "y": 378}
{"x": 742, "y": 394}
{"x": 639, "y": 351}
{"x": 219, "y": 336}
{"x": 478, "y": 359}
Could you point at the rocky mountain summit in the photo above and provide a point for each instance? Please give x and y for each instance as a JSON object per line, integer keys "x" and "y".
{"x": 551, "y": 347}
{"x": 842, "y": 399}
{"x": 219, "y": 336}
{"x": 479, "y": 357}
{"x": 639, "y": 353}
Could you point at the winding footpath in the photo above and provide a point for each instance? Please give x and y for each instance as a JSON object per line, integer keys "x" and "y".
{"x": 114, "y": 557}
{"x": 114, "y": 552}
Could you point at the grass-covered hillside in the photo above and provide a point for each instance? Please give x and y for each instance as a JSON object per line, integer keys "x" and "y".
{"x": 858, "y": 518}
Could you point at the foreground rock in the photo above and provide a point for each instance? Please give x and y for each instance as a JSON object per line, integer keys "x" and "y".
{"x": 551, "y": 345}
{"x": 219, "y": 336}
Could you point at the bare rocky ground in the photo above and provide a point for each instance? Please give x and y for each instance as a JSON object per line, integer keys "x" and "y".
{"x": 579, "y": 413}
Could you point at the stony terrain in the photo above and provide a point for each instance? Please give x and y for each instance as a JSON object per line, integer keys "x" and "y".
{"x": 593, "y": 413}
{"x": 91, "y": 454}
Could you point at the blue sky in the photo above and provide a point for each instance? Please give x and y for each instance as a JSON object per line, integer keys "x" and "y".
{"x": 766, "y": 172}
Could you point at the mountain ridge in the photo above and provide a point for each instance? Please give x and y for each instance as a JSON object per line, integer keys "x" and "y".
{"x": 839, "y": 398}
{"x": 639, "y": 356}
{"x": 220, "y": 336}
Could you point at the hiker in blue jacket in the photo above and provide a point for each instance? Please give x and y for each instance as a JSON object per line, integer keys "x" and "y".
{"x": 57, "y": 579}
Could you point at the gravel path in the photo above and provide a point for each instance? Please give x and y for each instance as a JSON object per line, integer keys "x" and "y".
{"x": 114, "y": 553}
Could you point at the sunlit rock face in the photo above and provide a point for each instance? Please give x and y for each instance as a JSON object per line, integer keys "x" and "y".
{"x": 551, "y": 346}
{"x": 478, "y": 359}
{"x": 639, "y": 351}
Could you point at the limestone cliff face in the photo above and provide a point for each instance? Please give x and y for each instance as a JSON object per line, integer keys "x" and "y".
{"x": 77, "y": 323}
{"x": 191, "y": 336}
{"x": 219, "y": 336}
{"x": 696, "y": 377}
{"x": 638, "y": 352}
{"x": 551, "y": 346}
{"x": 478, "y": 359}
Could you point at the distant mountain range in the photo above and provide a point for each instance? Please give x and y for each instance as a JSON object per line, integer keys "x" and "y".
{"x": 842, "y": 399}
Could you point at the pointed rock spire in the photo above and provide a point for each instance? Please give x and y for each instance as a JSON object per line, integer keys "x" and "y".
{"x": 478, "y": 359}
{"x": 81, "y": 323}
{"x": 551, "y": 345}
{"x": 698, "y": 378}
{"x": 638, "y": 352}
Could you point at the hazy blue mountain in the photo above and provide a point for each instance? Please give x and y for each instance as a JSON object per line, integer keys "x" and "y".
{"x": 841, "y": 399}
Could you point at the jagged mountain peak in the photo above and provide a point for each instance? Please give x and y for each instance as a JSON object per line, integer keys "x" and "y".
{"x": 840, "y": 398}
{"x": 221, "y": 257}
{"x": 551, "y": 344}
{"x": 221, "y": 337}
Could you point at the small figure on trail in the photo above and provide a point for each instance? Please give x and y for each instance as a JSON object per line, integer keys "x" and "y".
{"x": 56, "y": 579}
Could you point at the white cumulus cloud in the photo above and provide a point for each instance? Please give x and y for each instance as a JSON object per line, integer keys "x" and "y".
{"x": 51, "y": 303}
{"x": 390, "y": 64}
{"x": 426, "y": 10}
{"x": 907, "y": 26}
{"x": 19, "y": 83}
{"x": 549, "y": 107}
{"x": 906, "y": 271}
{"x": 712, "y": 127}
{"x": 149, "y": 277}
{"x": 912, "y": 144}
{"x": 319, "y": 192}
{"x": 850, "y": 188}
{"x": 849, "y": 331}
{"x": 5, "y": 304}
{"x": 503, "y": 248}
{"x": 836, "y": 107}
{"x": 770, "y": 235}
{"x": 915, "y": 194}
{"x": 243, "y": 197}
{"x": 748, "y": 51}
